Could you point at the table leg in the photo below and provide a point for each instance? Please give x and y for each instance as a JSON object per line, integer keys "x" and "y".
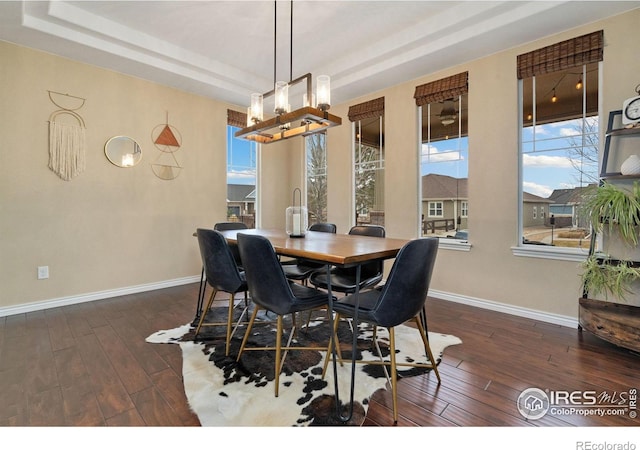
{"x": 354, "y": 347}
{"x": 333, "y": 347}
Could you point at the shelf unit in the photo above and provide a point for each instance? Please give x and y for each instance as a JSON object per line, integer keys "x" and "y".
{"x": 614, "y": 322}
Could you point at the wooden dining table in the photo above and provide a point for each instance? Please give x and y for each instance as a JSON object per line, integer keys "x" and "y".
{"x": 330, "y": 249}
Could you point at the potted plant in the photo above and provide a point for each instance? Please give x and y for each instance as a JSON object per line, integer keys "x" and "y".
{"x": 603, "y": 276}
{"x": 615, "y": 212}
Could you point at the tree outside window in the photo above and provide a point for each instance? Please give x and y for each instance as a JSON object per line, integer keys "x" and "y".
{"x": 316, "y": 151}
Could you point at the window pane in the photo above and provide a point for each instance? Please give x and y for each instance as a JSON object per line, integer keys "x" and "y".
{"x": 369, "y": 171}
{"x": 316, "y": 177}
{"x": 241, "y": 179}
{"x": 444, "y": 167}
{"x": 559, "y": 153}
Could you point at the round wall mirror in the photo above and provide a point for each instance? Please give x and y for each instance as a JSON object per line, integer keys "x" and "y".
{"x": 123, "y": 151}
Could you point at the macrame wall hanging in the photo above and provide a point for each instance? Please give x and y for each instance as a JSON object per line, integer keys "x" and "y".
{"x": 66, "y": 137}
{"x": 167, "y": 139}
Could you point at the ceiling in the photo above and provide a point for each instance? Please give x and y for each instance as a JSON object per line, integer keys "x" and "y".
{"x": 225, "y": 49}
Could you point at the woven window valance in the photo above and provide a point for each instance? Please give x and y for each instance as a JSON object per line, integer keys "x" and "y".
{"x": 366, "y": 110}
{"x": 563, "y": 55}
{"x": 443, "y": 89}
{"x": 236, "y": 119}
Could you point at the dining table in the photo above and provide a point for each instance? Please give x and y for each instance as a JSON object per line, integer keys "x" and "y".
{"x": 330, "y": 249}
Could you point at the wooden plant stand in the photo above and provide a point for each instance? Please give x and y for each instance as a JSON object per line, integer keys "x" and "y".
{"x": 613, "y": 322}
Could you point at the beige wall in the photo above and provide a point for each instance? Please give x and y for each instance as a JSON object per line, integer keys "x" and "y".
{"x": 109, "y": 228}
{"x": 489, "y": 271}
{"x": 113, "y": 228}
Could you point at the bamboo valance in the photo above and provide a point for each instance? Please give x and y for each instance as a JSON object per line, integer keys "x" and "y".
{"x": 442, "y": 89}
{"x": 366, "y": 110}
{"x": 236, "y": 118}
{"x": 563, "y": 55}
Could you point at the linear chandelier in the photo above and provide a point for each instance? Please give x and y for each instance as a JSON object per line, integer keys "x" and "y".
{"x": 313, "y": 117}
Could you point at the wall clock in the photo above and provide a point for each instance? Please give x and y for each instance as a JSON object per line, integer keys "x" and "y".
{"x": 631, "y": 109}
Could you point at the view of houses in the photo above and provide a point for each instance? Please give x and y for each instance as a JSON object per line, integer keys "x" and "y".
{"x": 556, "y": 220}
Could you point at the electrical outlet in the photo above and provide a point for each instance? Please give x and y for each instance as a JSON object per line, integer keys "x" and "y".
{"x": 43, "y": 272}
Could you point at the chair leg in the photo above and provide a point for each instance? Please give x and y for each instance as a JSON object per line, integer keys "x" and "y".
{"x": 427, "y": 347}
{"x": 248, "y": 332}
{"x": 276, "y": 368}
{"x": 394, "y": 374}
{"x": 229, "y": 323}
{"x": 205, "y": 311}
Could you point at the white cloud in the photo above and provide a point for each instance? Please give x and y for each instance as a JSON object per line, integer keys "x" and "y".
{"x": 241, "y": 177}
{"x": 569, "y": 132}
{"x": 536, "y": 189}
{"x": 529, "y": 160}
{"x": 432, "y": 154}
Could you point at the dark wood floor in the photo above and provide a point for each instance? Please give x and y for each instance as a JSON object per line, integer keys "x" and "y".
{"x": 89, "y": 365}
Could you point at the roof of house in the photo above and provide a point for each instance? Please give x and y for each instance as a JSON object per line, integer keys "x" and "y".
{"x": 568, "y": 196}
{"x": 531, "y": 198}
{"x": 241, "y": 193}
{"x": 435, "y": 186}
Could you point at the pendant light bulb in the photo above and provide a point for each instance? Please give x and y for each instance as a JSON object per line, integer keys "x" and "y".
{"x": 324, "y": 92}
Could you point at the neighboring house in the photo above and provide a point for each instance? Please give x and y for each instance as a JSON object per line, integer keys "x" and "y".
{"x": 445, "y": 203}
{"x": 566, "y": 207}
{"x": 535, "y": 210}
{"x": 241, "y": 202}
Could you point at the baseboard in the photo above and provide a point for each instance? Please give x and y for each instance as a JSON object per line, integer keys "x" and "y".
{"x": 82, "y": 298}
{"x": 557, "y": 319}
{"x": 566, "y": 321}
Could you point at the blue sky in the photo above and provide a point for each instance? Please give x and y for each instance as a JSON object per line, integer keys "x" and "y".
{"x": 240, "y": 159}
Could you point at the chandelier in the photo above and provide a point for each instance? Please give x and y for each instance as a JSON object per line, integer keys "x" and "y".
{"x": 313, "y": 117}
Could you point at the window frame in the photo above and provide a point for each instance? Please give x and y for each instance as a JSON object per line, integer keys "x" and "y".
{"x": 454, "y": 86}
{"x": 540, "y": 251}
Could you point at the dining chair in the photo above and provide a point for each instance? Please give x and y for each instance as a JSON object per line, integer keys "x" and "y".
{"x": 220, "y": 226}
{"x": 400, "y": 299}
{"x": 301, "y": 269}
{"x": 271, "y": 291}
{"x": 223, "y": 275}
{"x": 344, "y": 279}
{"x": 224, "y": 226}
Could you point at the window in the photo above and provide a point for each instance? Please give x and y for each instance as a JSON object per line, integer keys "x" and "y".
{"x": 559, "y": 139}
{"x": 316, "y": 150}
{"x": 435, "y": 209}
{"x": 444, "y": 151}
{"x": 368, "y": 128}
{"x": 241, "y": 173}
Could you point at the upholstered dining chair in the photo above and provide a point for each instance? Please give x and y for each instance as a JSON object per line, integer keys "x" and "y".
{"x": 223, "y": 275}
{"x": 271, "y": 291}
{"x": 224, "y": 226}
{"x": 220, "y": 226}
{"x": 301, "y": 269}
{"x": 344, "y": 279}
{"x": 400, "y": 299}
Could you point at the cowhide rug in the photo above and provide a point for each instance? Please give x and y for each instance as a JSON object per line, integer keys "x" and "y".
{"x": 223, "y": 392}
